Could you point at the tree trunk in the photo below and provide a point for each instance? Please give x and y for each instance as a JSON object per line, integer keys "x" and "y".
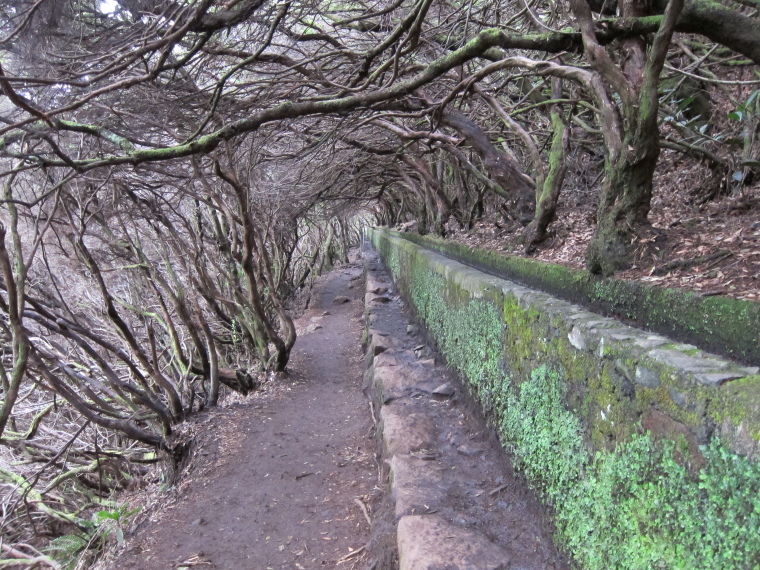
{"x": 627, "y": 190}
{"x": 548, "y": 195}
{"x": 623, "y": 207}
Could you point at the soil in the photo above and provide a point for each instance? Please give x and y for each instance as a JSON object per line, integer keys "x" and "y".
{"x": 292, "y": 476}
{"x": 724, "y": 231}
{"x": 281, "y": 479}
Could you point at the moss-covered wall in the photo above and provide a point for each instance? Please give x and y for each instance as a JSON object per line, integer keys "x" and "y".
{"x": 730, "y": 327}
{"x": 645, "y": 448}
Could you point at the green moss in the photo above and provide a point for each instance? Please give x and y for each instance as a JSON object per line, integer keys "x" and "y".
{"x": 635, "y": 505}
{"x": 621, "y": 498}
{"x": 740, "y": 403}
{"x": 718, "y": 324}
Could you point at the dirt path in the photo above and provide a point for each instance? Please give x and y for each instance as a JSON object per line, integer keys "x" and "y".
{"x": 284, "y": 487}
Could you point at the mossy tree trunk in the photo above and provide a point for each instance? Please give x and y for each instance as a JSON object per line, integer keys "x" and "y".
{"x": 627, "y": 190}
{"x": 547, "y": 194}
{"x": 624, "y": 205}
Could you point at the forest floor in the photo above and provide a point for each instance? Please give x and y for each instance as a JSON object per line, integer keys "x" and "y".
{"x": 281, "y": 479}
{"x": 291, "y": 476}
{"x": 724, "y": 232}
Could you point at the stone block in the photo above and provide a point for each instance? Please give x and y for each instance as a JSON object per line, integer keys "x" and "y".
{"x": 430, "y": 542}
{"x": 417, "y": 485}
{"x": 647, "y": 377}
{"x": 678, "y": 359}
{"x": 717, "y": 378}
{"x": 575, "y": 337}
{"x": 395, "y": 382}
{"x": 405, "y": 433}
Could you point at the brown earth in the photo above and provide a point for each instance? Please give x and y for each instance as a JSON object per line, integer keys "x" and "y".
{"x": 291, "y": 477}
{"x": 282, "y": 479}
{"x": 724, "y": 231}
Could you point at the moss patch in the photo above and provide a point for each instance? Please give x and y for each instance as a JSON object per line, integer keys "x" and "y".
{"x": 730, "y": 327}
{"x": 622, "y": 497}
{"x": 635, "y": 506}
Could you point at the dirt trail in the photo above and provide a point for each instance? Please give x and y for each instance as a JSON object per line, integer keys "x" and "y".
{"x": 291, "y": 476}
{"x": 285, "y": 487}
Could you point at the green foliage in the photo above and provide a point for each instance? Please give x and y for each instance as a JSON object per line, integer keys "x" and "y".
{"x": 636, "y": 507}
{"x": 639, "y": 505}
{"x": 468, "y": 334}
{"x": 544, "y": 437}
{"x": 66, "y": 549}
{"x": 109, "y": 523}
{"x": 102, "y": 526}
{"x": 745, "y": 109}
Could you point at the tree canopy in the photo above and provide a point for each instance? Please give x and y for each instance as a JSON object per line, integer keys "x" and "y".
{"x": 173, "y": 172}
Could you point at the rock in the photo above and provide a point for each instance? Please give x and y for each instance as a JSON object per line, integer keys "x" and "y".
{"x": 380, "y": 343}
{"x": 678, "y": 398}
{"x": 383, "y": 299}
{"x": 647, "y": 377}
{"x": 405, "y": 433}
{"x": 469, "y": 450}
{"x": 621, "y": 336}
{"x": 326, "y": 313}
{"x": 717, "y": 378}
{"x": 379, "y": 290}
{"x": 426, "y": 542}
{"x": 340, "y": 300}
{"x": 417, "y": 485}
{"x": 446, "y": 390}
{"x": 386, "y": 358}
{"x": 394, "y": 381}
{"x": 600, "y": 348}
{"x": 678, "y": 359}
{"x": 575, "y": 337}
{"x": 311, "y": 328}
{"x": 421, "y": 351}
{"x": 650, "y": 342}
{"x": 412, "y": 330}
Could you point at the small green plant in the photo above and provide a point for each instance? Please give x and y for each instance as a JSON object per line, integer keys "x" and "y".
{"x": 742, "y": 111}
{"x": 68, "y": 550}
{"x": 109, "y": 523}
{"x": 544, "y": 437}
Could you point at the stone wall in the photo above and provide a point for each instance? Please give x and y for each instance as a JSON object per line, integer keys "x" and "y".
{"x": 646, "y": 448}
{"x": 726, "y": 326}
